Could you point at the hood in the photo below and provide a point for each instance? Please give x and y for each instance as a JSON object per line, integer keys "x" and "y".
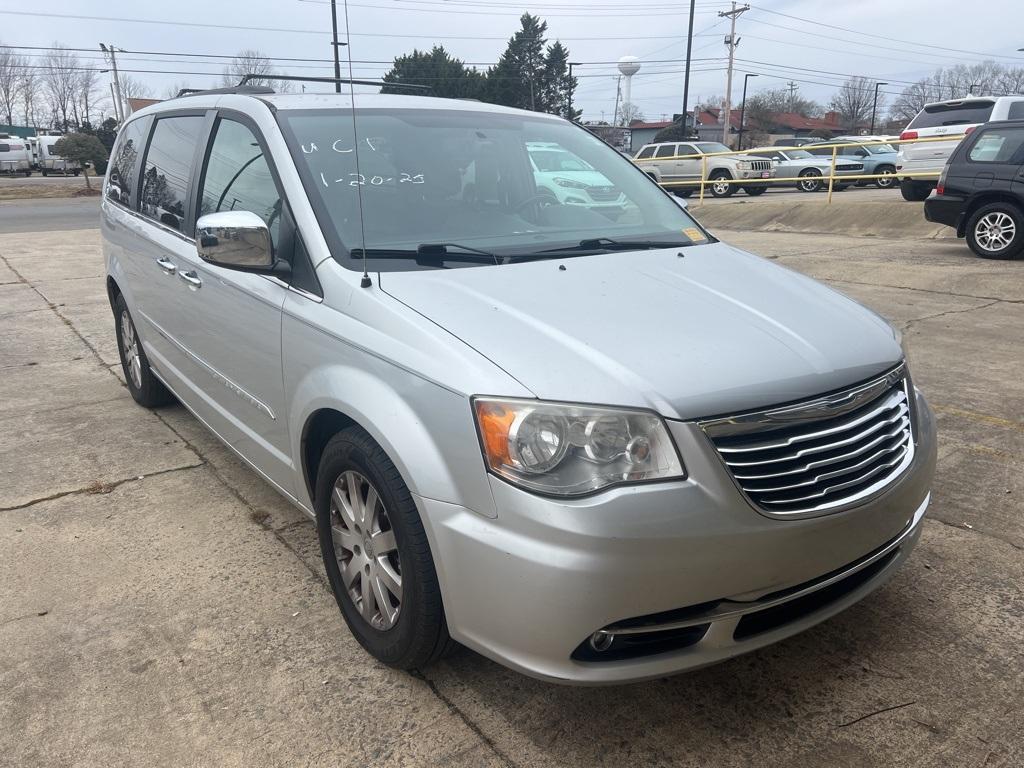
{"x": 590, "y": 178}
{"x": 714, "y": 332}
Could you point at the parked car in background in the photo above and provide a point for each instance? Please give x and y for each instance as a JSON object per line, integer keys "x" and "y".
{"x": 594, "y": 449}
{"x": 49, "y": 162}
{"x": 570, "y": 180}
{"x": 670, "y": 162}
{"x": 953, "y": 118}
{"x": 877, "y": 156}
{"x": 807, "y": 172}
{"x": 15, "y": 155}
{"x": 981, "y": 191}
{"x": 796, "y": 141}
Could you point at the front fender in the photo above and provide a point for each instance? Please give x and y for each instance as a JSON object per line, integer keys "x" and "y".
{"x": 426, "y": 430}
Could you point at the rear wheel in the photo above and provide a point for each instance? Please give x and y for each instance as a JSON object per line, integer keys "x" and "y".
{"x": 915, "y": 191}
{"x": 376, "y": 554}
{"x": 146, "y": 389}
{"x": 719, "y": 184}
{"x": 810, "y": 180}
{"x": 996, "y": 231}
{"x": 682, "y": 192}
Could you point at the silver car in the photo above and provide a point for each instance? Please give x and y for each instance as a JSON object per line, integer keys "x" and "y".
{"x": 799, "y": 168}
{"x": 593, "y": 450}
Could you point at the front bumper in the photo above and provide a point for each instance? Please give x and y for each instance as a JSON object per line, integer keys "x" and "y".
{"x": 741, "y": 174}
{"x": 528, "y": 588}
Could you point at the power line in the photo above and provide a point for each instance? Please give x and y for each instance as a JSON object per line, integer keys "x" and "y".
{"x": 600, "y": 11}
{"x": 880, "y": 37}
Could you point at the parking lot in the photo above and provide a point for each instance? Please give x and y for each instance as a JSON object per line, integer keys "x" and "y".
{"x": 163, "y": 606}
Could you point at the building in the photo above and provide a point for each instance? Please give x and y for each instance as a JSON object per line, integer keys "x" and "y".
{"x": 21, "y": 131}
{"x": 134, "y": 105}
{"x": 644, "y": 133}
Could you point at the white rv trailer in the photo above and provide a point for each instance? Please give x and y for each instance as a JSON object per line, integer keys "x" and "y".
{"x": 49, "y": 162}
{"x": 15, "y": 155}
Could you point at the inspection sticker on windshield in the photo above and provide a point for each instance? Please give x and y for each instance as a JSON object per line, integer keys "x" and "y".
{"x": 694, "y": 234}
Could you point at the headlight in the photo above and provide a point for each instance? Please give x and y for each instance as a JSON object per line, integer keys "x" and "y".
{"x": 569, "y": 183}
{"x": 746, "y": 165}
{"x": 569, "y": 450}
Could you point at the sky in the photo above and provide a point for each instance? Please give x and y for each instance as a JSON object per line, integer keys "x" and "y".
{"x": 780, "y": 40}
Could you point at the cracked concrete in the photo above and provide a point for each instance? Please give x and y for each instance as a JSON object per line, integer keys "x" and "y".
{"x": 162, "y": 605}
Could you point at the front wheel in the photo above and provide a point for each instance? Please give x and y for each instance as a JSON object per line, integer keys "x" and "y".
{"x": 996, "y": 231}
{"x": 810, "y": 180}
{"x": 376, "y": 554}
{"x": 754, "y": 191}
{"x": 719, "y": 184}
{"x": 888, "y": 180}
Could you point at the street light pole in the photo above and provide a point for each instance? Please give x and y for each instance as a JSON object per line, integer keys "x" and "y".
{"x": 571, "y": 88}
{"x": 874, "y": 108}
{"x": 686, "y": 77}
{"x": 743, "y": 106}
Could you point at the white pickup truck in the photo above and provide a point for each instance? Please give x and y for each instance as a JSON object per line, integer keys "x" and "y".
{"x": 666, "y": 163}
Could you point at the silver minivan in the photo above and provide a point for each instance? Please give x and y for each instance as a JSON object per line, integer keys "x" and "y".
{"x": 595, "y": 448}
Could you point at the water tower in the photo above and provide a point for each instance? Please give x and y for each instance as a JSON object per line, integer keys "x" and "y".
{"x": 628, "y": 66}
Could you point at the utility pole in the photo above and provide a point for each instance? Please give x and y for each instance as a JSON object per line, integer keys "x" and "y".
{"x": 336, "y": 45}
{"x": 618, "y": 92}
{"x": 686, "y": 76}
{"x": 118, "y": 104}
{"x": 732, "y": 41}
{"x": 792, "y": 93}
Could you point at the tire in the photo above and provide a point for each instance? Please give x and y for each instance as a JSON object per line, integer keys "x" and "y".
{"x": 915, "y": 191}
{"x": 888, "y": 183}
{"x": 755, "y": 191}
{"x": 996, "y": 231}
{"x": 146, "y": 389}
{"x": 721, "y": 190}
{"x": 45, "y": 173}
{"x": 75, "y": 172}
{"x": 684, "y": 192}
{"x": 405, "y": 630}
{"x": 810, "y": 180}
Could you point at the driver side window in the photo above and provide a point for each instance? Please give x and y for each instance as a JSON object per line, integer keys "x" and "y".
{"x": 237, "y": 177}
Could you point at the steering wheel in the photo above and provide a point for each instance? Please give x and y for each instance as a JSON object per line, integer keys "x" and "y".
{"x": 537, "y": 198}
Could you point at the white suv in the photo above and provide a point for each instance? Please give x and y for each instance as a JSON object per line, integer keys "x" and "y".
{"x": 945, "y": 118}
{"x": 571, "y": 180}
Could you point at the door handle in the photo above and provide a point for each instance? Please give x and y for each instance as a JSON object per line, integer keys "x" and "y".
{"x": 191, "y": 278}
{"x": 166, "y": 265}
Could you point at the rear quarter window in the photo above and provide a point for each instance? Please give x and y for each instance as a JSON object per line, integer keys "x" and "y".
{"x": 999, "y": 145}
{"x": 967, "y": 113}
{"x": 121, "y": 176}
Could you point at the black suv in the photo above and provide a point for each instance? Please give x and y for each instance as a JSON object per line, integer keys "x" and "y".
{"x": 981, "y": 191}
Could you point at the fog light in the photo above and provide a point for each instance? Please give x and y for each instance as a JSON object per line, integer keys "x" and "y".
{"x": 601, "y": 640}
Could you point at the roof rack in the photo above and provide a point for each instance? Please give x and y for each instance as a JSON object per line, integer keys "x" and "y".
{"x": 306, "y": 79}
{"x": 240, "y": 88}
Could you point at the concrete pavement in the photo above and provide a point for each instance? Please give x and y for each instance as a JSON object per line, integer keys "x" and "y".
{"x": 161, "y": 605}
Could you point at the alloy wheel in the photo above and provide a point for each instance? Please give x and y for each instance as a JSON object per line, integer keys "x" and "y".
{"x": 888, "y": 180}
{"x": 719, "y": 187}
{"x": 994, "y": 231}
{"x": 130, "y": 345}
{"x": 366, "y": 550}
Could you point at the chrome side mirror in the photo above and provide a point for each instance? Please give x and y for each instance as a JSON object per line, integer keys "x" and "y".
{"x": 236, "y": 239}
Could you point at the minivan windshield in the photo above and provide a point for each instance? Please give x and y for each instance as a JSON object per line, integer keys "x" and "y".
{"x": 453, "y": 180}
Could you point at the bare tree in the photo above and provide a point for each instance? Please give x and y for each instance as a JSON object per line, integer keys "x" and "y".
{"x": 252, "y": 61}
{"x": 89, "y": 93}
{"x": 11, "y": 67}
{"x": 61, "y": 76}
{"x": 984, "y": 79}
{"x": 131, "y": 88}
{"x": 629, "y": 112}
{"x": 853, "y": 102}
{"x": 171, "y": 91}
{"x": 28, "y": 85}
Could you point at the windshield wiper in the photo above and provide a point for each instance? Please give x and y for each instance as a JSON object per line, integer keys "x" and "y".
{"x": 429, "y": 253}
{"x": 608, "y": 244}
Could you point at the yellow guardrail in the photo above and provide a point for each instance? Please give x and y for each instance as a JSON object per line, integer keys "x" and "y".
{"x": 832, "y": 177}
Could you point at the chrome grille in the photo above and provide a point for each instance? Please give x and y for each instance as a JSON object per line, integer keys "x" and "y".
{"x": 761, "y": 165}
{"x": 823, "y": 454}
{"x": 602, "y": 194}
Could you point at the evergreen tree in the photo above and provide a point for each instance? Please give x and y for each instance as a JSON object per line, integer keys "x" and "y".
{"x": 446, "y": 76}
{"x": 558, "y": 86}
{"x": 518, "y": 78}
